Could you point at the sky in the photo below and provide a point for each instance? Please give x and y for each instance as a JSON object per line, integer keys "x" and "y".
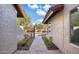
{"x": 36, "y": 11}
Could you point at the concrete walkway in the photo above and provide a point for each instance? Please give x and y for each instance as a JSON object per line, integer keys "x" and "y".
{"x": 38, "y": 44}
{"x": 38, "y": 47}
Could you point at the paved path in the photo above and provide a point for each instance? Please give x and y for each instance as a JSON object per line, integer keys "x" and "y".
{"x": 38, "y": 44}
{"x": 38, "y": 47}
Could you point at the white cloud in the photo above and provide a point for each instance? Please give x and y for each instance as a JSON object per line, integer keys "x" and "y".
{"x": 33, "y": 23}
{"x": 46, "y": 7}
{"x": 34, "y": 6}
{"x": 37, "y": 21}
{"x": 40, "y": 12}
{"x": 40, "y": 20}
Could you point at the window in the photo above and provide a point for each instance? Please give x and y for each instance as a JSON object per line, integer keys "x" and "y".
{"x": 74, "y": 15}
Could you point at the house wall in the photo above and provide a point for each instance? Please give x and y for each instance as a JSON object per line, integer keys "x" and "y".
{"x": 8, "y": 29}
{"x": 60, "y": 30}
{"x": 57, "y": 30}
{"x": 68, "y": 47}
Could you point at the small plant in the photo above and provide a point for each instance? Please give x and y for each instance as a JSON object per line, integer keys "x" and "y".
{"x": 49, "y": 44}
{"x": 25, "y": 44}
{"x": 50, "y": 38}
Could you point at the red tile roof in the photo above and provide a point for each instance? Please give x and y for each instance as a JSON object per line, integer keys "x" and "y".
{"x": 58, "y": 7}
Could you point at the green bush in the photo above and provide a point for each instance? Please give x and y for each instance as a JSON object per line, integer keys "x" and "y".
{"x": 25, "y": 44}
{"x": 50, "y": 39}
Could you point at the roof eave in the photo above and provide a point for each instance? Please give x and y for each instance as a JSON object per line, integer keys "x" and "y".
{"x": 45, "y": 19}
{"x": 53, "y": 10}
{"x": 20, "y": 10}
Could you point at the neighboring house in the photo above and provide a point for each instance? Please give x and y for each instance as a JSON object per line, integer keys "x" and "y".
{"x": 9, "y": 30}
{"x": 62, "y": 29}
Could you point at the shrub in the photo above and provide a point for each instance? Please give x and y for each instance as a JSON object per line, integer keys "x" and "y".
{"x": 49, "y": 44}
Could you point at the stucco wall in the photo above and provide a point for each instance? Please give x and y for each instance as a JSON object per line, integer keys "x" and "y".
{"x": 8, "y": 29}
{"x": 68, "y": 47}
{"x": 57, "y": 30}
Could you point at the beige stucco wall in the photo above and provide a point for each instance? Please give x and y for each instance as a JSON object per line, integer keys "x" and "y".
{"x": 57, "y": 30}
{"x": 9, "y": 31}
